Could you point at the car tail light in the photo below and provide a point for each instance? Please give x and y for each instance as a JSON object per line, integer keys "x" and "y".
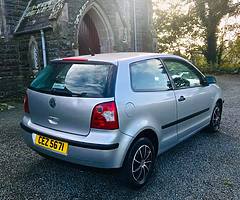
{"x": 104, "y": 116}
{"x": 26, "y": 104}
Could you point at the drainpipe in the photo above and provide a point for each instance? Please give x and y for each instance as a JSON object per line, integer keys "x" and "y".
{"x": 44, "y": 49}
{"x": 135, "y": 25}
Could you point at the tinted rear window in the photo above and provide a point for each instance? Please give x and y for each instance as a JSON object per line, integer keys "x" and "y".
{"x": 68, "y": 79}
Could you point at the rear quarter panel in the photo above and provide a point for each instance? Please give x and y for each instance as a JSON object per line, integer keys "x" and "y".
{"x": 130, "y": 123}
{"x": 137, "y": 110}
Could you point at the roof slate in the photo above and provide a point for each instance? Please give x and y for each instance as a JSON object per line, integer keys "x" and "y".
{"x": 39, "y": 15}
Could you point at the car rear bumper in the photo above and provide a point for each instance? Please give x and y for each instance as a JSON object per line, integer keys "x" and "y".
{"x": 98, "y": 149}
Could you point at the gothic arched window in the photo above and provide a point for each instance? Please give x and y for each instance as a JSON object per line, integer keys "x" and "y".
{"x": 2, "y": 18}
{"x": 34, "y": 55}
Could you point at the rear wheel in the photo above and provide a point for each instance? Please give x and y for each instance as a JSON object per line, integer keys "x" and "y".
{"x": 139, "y": 163}
{"x": 216, "y": 118}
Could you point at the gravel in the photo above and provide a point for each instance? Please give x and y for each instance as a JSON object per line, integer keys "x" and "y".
{"x": 206, "y": 166}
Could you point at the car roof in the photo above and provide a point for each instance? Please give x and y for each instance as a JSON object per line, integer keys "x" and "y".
{"x": 116, "y": 57}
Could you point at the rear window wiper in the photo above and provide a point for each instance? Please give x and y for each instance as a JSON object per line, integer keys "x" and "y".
{"x": 67, "y": 92}
{"x": 83, "y": 94}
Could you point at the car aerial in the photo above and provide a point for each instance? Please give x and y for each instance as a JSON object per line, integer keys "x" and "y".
{"x": 118, "y": 110}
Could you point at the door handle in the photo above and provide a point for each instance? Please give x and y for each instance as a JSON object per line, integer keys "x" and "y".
{"x": 182, "y": 98}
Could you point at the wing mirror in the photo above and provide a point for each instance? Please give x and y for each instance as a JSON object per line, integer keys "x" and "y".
{"x": 211, "y": 79}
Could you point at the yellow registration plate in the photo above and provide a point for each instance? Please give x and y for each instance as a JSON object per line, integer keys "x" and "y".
{"x": 54, "y": 145}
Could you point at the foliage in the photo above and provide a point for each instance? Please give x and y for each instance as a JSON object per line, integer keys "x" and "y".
{"x": 190, "y": 28}
{"x": 232, "y": 56}
{"x": 210, "y": 14}
{"x": 177, "y": 32}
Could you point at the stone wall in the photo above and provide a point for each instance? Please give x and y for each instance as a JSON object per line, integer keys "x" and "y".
{"x": 144, "y": 22}
{"x": 15, "y": 71}
{"x": 11, "y": 78}
{"x": 61, "y": 41}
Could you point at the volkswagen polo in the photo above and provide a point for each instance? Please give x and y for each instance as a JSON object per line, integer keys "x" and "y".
{"x": 118, "y": 110}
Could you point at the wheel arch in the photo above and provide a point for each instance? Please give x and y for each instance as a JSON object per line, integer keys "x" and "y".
{"x": 220, "y": 102}
{"x": 148, "y": 133}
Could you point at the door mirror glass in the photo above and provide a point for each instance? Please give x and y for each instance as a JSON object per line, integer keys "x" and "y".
{"x": 210, "y": 79}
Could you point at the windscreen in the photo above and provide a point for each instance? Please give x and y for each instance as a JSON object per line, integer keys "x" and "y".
{"x": 69, "y": 79}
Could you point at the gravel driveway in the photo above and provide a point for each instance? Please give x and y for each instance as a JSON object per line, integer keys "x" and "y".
{"x": 206, "y": 166}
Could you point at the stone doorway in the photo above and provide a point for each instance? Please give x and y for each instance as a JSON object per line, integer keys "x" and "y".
{"x": 95, "y": 33}
{"x": 88, "y": 37}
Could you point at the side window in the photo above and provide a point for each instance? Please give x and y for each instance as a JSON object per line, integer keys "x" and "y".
{"x": 149, "y": 75}
{"x": 183, "y": 74}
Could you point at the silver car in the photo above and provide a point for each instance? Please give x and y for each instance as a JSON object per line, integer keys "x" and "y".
{"x": 118, "y": 110}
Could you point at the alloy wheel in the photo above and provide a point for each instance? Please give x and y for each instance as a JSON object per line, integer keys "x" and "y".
{"x": 216, "y": 119}
{"x": 141, "y": 164}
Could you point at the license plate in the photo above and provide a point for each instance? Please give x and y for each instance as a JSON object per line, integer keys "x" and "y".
{"x": 54, "y": 145}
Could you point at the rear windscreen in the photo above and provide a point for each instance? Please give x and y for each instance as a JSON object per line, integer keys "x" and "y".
{"x": 68, "y": 79}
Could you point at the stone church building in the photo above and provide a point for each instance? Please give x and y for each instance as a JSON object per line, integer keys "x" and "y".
{"x": 36, "y": 31}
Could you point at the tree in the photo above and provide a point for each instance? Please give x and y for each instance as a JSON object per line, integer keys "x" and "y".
{"x": 210, "y": 13}
{"x": 231, "y": 55}
{"x": 195, "y": 31}
{"x": 178, "y": 31}
{"x": 228, "y": 41}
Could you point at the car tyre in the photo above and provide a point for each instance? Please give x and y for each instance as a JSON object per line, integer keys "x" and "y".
{"x": 139, "y": 163}
{"x": 216, "y": 118}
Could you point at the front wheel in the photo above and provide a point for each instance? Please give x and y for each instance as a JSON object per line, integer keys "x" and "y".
{"x": 216, "y": 118}
{"x": 139, "y": 163}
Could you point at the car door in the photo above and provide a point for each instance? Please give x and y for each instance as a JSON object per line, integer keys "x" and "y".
{"x": 192, "y": 95}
